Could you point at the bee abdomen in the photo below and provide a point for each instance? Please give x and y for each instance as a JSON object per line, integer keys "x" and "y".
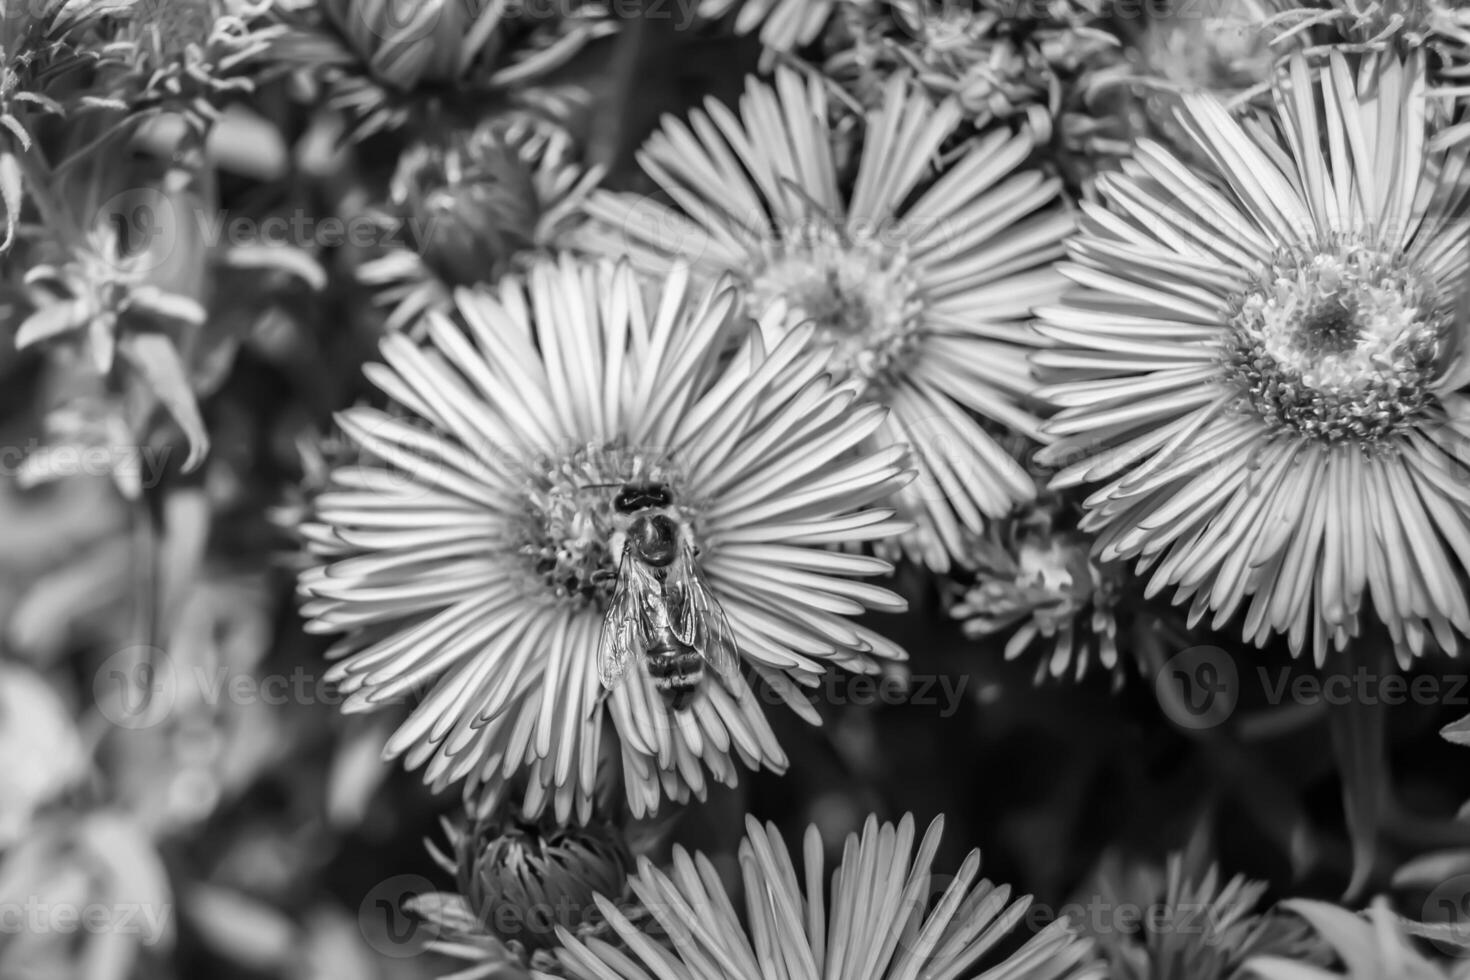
{"x": 675, "y": 669}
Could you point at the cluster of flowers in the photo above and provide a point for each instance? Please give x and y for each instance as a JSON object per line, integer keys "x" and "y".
{"x": 1063, "y": 303}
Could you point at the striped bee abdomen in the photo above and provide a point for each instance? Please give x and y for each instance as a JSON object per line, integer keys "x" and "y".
{"x": 675, "y": 668}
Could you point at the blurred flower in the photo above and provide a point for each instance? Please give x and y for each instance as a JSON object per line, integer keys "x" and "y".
{"x": 1196, "y": 926}
{"x": 91, "y": 427}
{"x": 387, "y": 61}
{"x": 1370, "y": 945}
{"x": 182, "y": 55}
{"x": 783, "y": 24}
{"x": 1220, "y": 47}
{"x": 472, "y": 208}
{"x": 1264, "y": 379}
{"x": 926, "y": 301}
{"x": 888, "y": 917}
{"x": 518, "y": 883}
{"x": 1034, "y": 573}
{"x": 476, "y": 543}
{"x": 37, "y": 58}
{"x": 105, "y": 872}
{"x": 997, "y": 61}
{"x": 107, "y": 294}
{"x": 1223, "y": 49}
{"x": 41, "y": 752}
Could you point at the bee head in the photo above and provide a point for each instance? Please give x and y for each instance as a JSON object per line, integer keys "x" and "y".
{"x": 634, "y": 497}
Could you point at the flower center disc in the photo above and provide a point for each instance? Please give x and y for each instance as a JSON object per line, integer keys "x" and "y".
{"x": 566, "y": 534}
{"x": 859, "y": 294}
{"x": 1338, "y": 343}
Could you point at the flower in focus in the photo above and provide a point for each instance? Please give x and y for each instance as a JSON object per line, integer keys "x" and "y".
{"x": 1263, "y": 378}
{"x": 386, "y": 61}
{"x": 1034, "y": 573}
{"x": 888, "y": 918}
{"x": 477, "y": 544}
{"x": 183, "y": 55}
{"x": 518, "y": 882}
{"x": 473, "y": 209}
{"x": 927, "y": 302}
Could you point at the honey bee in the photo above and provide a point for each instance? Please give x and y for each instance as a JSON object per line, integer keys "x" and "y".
{"x": 662, "y": 610}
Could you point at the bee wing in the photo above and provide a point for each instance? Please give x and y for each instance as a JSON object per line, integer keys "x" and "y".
{"x": 624, "y": 630}
{"x": 696, "y": 616}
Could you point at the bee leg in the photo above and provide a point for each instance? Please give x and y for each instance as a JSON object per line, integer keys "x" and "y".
{"x": 597, "y": 704}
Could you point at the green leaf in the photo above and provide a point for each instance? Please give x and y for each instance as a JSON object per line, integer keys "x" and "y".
{"x": 155, "y": 358}
{"x": 12, "y": 195}
{"x": 49, "y": 321}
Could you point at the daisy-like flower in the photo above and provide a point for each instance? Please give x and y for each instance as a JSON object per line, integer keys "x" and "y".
{"x": 884, "y": 918}
{"x": 1035, "y": 575}
{"x": 482, "y": 552}
{"x": 386, "y": 62}
{"x": 518, "y": 882}
{"x": 923, "y": 280}
{"x": 182, "y": 55}
{"x": 1261, "y": 371}
{"x": 473, "y": 209}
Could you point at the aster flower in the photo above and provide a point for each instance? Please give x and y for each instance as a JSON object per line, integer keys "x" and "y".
{"x": 1035, "y": 575}
{"x": 472, "y": 209}
{"x": 518, "y": 882}
{"x": 1261, "y": 375}
{"x": 385, "y": 63}
{"x": 883, "y": 918}
{"x": 480, "y": 550}
{"x": 927, "y": 301}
